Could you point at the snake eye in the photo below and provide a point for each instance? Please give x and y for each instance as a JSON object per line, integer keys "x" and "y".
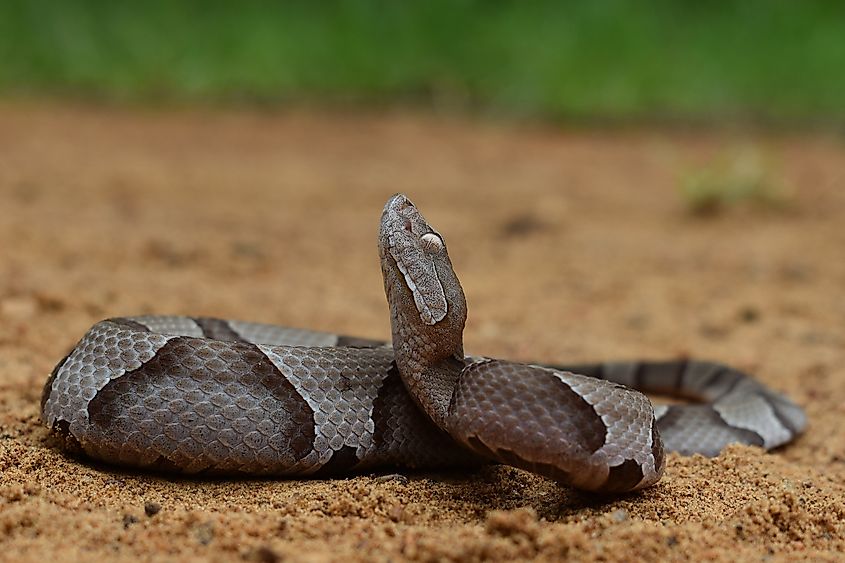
{"x": 431, "y": 243}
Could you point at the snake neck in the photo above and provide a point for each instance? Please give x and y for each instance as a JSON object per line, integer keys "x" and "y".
{"x": 427, "y": 307}
{"x": 429, "y": 359}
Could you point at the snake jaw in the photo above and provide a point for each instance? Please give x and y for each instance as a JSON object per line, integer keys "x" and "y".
{"x": 429, "y": 297}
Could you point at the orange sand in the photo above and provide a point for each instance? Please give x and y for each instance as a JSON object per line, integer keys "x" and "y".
{"x": 571, "y": 246}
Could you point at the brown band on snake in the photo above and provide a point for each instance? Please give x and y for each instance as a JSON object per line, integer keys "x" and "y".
{"x": 787, "y": 422}
{"x": 623, "y": 477}
{"x": 657, "y": 451}
{"x": 128, "y": 323}
{"x": 189, "y": 384}
{"x": 383, "y": 405}
{"x": 724, "y": 378}
{"x": 217, "y": 329}
{"x": 342, "y": 462}
{"x": 514, "y": 459}
{"x": 637, "y": 377}
{"x": 661, "y": 377}
{"x": 555, "y": 411}
{"x": 355, "y": 342}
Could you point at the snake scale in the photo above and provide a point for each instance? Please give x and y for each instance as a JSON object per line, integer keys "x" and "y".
{"x": 212, "y": 396}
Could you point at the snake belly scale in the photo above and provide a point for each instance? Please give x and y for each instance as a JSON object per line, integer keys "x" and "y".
{"x": 212, "y": 396}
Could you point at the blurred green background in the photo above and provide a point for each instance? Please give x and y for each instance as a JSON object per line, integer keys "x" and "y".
{"x": 616, "y": 60}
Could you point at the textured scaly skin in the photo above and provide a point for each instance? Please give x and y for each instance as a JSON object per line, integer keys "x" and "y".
{"x": 585, "y": 432}
{"x": 200, "y": 395}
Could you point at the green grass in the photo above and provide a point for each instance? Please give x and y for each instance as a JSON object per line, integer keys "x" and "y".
{"x": 607, "y": 59}
{"x": 739, "y": 177}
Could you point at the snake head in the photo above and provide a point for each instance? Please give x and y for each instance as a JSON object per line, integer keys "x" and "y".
{"x": 414, "y": 254}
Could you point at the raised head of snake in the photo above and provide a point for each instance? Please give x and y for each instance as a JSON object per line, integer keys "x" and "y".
{"x": 589, "y": 433}
{"x": 427, "y": 306}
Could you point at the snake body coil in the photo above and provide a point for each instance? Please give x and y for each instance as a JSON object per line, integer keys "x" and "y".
{"x": 201, "y": 395}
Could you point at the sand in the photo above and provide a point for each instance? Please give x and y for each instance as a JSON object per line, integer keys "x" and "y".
{"x": 571, "y": 245}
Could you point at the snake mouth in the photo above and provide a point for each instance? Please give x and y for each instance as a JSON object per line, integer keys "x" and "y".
{"x": 399, "y": 218}
{"x": 398, "y": 202}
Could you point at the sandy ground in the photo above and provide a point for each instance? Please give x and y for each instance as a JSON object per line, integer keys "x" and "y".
{"x": 571, "y": 246}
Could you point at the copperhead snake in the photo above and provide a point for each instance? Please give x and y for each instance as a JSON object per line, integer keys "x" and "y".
{"x": 212, "y": 396}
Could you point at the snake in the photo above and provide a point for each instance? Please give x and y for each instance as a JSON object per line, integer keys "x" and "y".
{"x": 208, "y": 396}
